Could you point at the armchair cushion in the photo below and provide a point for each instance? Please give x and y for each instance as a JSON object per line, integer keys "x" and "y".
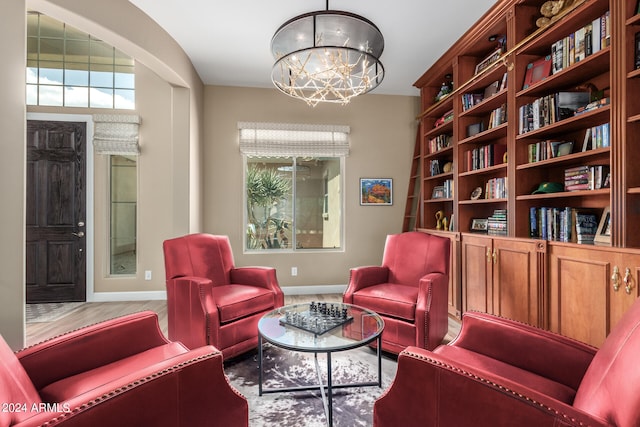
{"x": 389, "y": 299}
{"x": 84, "y": 382}
{"x": 237, "y": 301}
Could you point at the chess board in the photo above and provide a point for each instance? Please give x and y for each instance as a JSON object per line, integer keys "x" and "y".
{"x": 319, "y": 319}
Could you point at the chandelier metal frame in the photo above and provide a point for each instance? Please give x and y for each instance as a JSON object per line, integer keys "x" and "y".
{"x": 327, "y": 56}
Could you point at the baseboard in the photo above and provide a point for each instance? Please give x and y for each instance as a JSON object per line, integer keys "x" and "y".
{"x": 317, "y": 289}
{"x": 162, "y": 295}
{"x": 127, "y": 296}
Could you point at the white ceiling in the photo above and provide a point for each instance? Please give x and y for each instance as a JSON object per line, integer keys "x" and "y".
{"x": 229, "y": 41}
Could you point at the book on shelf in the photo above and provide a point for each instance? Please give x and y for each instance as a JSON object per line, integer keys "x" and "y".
{"x": 498, "y": 116}
{"x": 550, "y": 109}
{"x": 492, "y": 89}
{"x": 596, "y": 137}
{"x": 586, "y": 225}
{"x": 552, "y": 223}
{"x": 440, "y": 142}
{"x": 497, "y": 223}
{"x": 471, "y": 99}
{"x": 446, "y": 117}
{"x": 585, "y": 41}
{"x": 485, "y": 156}
{"x": 548, "y": 149}
{"x": 496, "y": 188}
{"x": 586, "y": 177}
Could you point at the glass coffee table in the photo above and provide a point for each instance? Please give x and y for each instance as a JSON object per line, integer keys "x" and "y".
{"x": 320, "y": 328}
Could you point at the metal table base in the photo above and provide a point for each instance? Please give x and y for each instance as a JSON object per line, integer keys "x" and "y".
{"x": 327, "y": 399}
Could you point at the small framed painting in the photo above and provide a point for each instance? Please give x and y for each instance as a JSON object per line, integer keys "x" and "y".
{"x": 376, "y": 191}
{"x": 603, "y": 235}
{"x": 537, "y": 71}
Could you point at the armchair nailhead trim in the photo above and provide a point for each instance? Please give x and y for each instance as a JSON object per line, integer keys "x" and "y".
{"x": 567, "y": 418}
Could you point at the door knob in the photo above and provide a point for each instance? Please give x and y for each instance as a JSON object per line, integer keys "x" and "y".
{"x": 79, "y": 234}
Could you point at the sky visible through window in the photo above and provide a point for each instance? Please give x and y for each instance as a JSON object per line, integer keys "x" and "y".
{"x": 66, "y": 67}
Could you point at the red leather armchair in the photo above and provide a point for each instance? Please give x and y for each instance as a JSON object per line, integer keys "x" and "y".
{"x": 209, "y": 300}
{"x": 121, "y": 372}
{"x": 409, "y": 290}
{"x": 499, "y": 372}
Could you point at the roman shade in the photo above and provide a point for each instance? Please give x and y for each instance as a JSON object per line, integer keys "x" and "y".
{"x": 293, "y": 140}
{"x": 116, "y": 134}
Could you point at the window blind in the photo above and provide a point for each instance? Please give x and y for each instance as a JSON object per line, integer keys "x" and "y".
{"x": 116, "y": 134}
{"x": 293, "y": 140}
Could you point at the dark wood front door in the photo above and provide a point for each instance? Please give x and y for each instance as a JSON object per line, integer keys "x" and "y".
{"x": 56, "y": 217}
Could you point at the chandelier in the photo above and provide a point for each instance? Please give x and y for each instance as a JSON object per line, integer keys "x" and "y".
{"x": 327, "y": 56}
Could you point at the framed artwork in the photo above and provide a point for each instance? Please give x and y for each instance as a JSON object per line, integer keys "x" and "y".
{"x": 376, "y": 191}
{"x": 438, "y": 192}
{"x": 479, "y": 225}
{"x": 486, "y": 62}
{"x": 603, "y": 234}
{"x": 537, "y": 70}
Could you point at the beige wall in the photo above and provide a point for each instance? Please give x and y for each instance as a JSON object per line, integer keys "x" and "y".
{"x": 382, "y": 137}
{"x": 170, "y": 103}
{"x": 12, "y": 171}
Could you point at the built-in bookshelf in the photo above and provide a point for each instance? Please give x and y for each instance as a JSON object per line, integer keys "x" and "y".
{"x": 540, "y": 129}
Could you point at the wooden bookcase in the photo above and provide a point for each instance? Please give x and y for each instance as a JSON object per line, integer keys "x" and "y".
{"x": 493, "y": 147}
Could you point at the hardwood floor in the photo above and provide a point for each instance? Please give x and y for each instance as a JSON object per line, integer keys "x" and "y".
{"x": 94, "y": 312}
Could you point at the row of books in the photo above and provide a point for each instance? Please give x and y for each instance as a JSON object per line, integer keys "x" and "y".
{"x": 496, "y": 188}
{"x": 497, "y": 223}
{"x": 548, "y": 149}
{"x": 440, "y": 142}
{"x": 498, "y": 116}
{"x": 473, "y": 98}
{"x": 485, "y": 156}
{"x": 584, "y": 42}
{"x": 586, "y": 177}
{"x": 550, "y": 109}
{"x": 435, "y": 167}
{"x": 596, "y": 137}
{"x": 563, "y": 224}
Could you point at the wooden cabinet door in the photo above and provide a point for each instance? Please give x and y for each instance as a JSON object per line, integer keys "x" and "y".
{"x": 583, "y": 301}
{"x": 477, "y": 272}
{"x": 516, "y": 280}
{"x": 627, "y": 292}
{"x": 579, "y": 286}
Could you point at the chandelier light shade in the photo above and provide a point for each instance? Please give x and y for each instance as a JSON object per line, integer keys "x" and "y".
{"x": 327, "y": 56}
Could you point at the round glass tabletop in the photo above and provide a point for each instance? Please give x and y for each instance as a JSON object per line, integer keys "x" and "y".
{"x": 320, "y": 327}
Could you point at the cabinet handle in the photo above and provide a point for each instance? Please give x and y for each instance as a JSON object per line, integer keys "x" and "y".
{"x": 615, "y": 278}
{"x": 488, "y": 255}
{"x": 495, "y": 256}
{"x": 628, "y": 281}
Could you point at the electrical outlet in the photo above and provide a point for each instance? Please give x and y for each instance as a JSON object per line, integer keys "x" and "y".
{"x": 147, "y": 275}
{"x": 294, "y": 271}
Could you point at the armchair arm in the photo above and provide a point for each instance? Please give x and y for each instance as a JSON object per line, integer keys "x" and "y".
{"x": 186, "y": 390}
{"x": 432, "y": 317}
{"x": 259, "y": 276}
{"x": 429, "y": 389}
{"x": 497, "y": 338}
{"x": 192, "y": 311}
{"x": 362, "y": 277}
{"x": 90, "y": 347}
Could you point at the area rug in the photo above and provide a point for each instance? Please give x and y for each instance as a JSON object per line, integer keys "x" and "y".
{"x": 352, "y": 407}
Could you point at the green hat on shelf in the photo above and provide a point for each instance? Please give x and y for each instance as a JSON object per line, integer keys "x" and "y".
{"x": 549, "y": 187}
